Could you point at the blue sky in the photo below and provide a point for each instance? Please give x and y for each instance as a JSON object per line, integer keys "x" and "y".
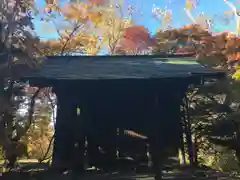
{"x": 209, "y": 7}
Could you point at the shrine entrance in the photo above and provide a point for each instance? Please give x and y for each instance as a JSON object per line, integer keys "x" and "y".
{"x": 113, "y": 94}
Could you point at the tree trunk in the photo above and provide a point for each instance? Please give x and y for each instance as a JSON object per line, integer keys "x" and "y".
{"x": 237, "y": 143}
{"x": 188, "y": 132}
{"x": 237, "y": 152}
{"x": 195, "y": 152}
{"x": 189, "y": 143}
{"x": 182, "y": 148}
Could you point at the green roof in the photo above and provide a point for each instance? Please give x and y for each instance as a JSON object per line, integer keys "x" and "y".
{"x": 120, "y": 67}
{"x": 181, "y": 61}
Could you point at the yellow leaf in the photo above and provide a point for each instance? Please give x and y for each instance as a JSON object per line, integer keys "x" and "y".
{"x": 29, "y": 149}
{"x": 238, "y": 67}
{"x": 189, "y": 5}
{"x": 168, "y": 17}
{"x": 96, "y": 18}
{"x": 236, "y": 75}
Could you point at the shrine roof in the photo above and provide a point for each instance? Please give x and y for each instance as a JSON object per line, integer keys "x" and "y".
{"x": 120, "y": 67}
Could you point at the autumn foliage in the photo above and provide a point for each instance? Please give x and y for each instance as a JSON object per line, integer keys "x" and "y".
{"x": 97, "y": 27}
{"x": 212, "y": 49}
{"x": 132, "y": 39}
{"x": 135, "y": 39}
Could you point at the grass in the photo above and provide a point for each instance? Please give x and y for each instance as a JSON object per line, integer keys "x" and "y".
{"x": 24, "y": 161}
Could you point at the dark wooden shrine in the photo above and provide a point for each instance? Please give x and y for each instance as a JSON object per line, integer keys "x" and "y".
{"x": 140, "y": 93}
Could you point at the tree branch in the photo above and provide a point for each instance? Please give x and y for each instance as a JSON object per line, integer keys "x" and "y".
{"x": 30, "y": 117}
{"x": 189, "y": 14}
{"x": 70, "y": 36}
{"x": 234, "y": 9}
{"x": 48, "y": 149}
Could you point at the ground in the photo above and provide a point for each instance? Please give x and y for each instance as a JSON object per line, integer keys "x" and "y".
{"x": 31, "y": 170}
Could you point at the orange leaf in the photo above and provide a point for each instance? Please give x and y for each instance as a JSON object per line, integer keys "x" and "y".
{"x": 98, "y": 2}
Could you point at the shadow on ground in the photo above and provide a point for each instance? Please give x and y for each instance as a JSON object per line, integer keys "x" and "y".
{"x": 35, "y": 171}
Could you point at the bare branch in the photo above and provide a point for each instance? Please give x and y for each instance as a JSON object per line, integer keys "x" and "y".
{"x": 234, "y": 9}
{"x": 70, "y": 37}
{"x": 189, "y": 14}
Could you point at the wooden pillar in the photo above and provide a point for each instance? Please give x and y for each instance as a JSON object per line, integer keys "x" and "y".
{"x": 156, "y": 139}
{"x": 95, "y": 158}
{"x": 110, "y": 143}
{"x": 165, "y": 130}
{"x": 120, "y": 142}
{"x": 79, "y": 138}
{"x": 63, "y": 149}
{"x": 102, "y": 132}
{"x": 91, "y": 128}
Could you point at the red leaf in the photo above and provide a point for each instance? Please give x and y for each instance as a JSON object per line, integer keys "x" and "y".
{"x": 136, "y": 39}
{"x": 137, "y": 32}
{"x": 98, "y": 2}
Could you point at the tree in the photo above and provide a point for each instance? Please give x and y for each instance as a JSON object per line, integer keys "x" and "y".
{"x": 212, "y": 103}
{"x": 135, "y": 41}
{"x": 116, "y": 21}
{"x": 40, "y": 133}
{"x": 222, "y": 51}
{"x": 189, "y": 38}
{"x": 73, "y": 35}
{"x": 75, "y": 38}
{"x": 162, "y": 16}
{"x": 19, "y": 53}
{"x": 109, "y": 27}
